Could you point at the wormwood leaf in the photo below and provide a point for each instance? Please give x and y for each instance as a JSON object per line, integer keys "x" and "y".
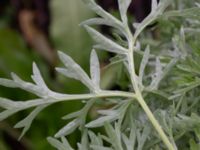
{"x": 97, "y": 147}
{"x": 104, "y": 42}
{"x": 185, "y": 13}
{"x": 58, "y": 145}
{"x": 157, "y": 76}
{"x": 95, "y": 140}
{"x": 7, "y": 103}
{"x": 190, "y": 86}
{"x": 143, "y": 64}
{"x": 37, "y": 78}
{"x": 72, "y": 115}
{"x": 7, "y": 113}
{"x": 102, "y": 21}
{"x": 69, "y": 128}
{"x": 81, "y": 113}
{"x": 117, "y": 112}
{"x": 66, "y": 143}
{"x": 161, "y": 73}
{"x": 26, "y": 123}
{"x": 131, "y": 140}
{"x": 95, "y": 69}
{"x": 100, "y": 121}
{"x": 84, "y": 141}
{"x": 114, "y": 135}
{"x": 8, "y": 83}
{"x": 154, "y": 5}
{"x": 186, "y": 123}
{"x": 156, "y": 11}
{"x": 101, "y": 12}
{"x": 73, "y": 70}
{"x": 123, "y": 7}
{"x": 141, "y": 138}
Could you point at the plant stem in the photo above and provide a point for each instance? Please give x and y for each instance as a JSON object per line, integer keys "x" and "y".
{"x": 138, "y": 93}
{"x": 154, "y": 122}
{"x": 67, "y": 97}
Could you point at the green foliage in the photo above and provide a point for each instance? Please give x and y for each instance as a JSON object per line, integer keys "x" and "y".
{"x": 160, "y": 109}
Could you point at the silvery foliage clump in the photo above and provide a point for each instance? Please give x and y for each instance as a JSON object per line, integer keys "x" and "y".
{"x": 136, "y": 120}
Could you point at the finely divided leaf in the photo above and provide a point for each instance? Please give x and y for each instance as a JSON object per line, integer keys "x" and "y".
{"x": 69, "y": 128}
{"x": 73, "y": 70}
{"x": 58, "y": 145}
{"x": 26, "y": 123}
{"x": 95, "y": 140}
{"x": 95, "y": 69}
{"x": 154, "y": 5}
{"x": 104, "y": 42}
{"x": 72, "y": 115}
{"x": 38, "y": 78}
{"x": 100, "y": 121}
{"x": 101, "y": 12}
{"x": 143, "y": 64}
{"x": 27, "y": 86}
{"x": 155, "y": 13}
{"x": 123, "y": 7}
{"x": 7, "y": 113}
{"x": 7, "y": 103}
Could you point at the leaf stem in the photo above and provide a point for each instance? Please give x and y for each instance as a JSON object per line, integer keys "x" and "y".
{"x": 138, "y": 93}
{"x": 66, "y": 97}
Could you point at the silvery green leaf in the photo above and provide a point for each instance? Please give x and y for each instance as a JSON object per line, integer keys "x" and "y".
{"x": 66, "y": 143}
{"x": 72, "y": 115}
{"x": 127, "y": 142}
{"x": 123, "y": 7}
{"x": 84, "y": 145}
{"x": 73, "y": 70}
{"x": 142, "y": 137}
{"x": 7, "y": 113}
{"x": 69, "y": 128}
{"x": 168, "y": 67}
{"x": 114, "y": 136}
{"x": 81, "y": 113}
{"x": 131, "y": 140}
{"x": 136, "y": 25}
{"x": 95, "y": 140}
{"x": 197, "y": 4}
{"x": 183, "y": 122}
{"x": 102, "y": 21}
{"x": 100, "y": 121}
{"x": 7, "y": 103}
{"x": 26, "y": 123}
{"x": 163, "y": 4}
{"x": 191, "y": 86}
{"x": 57, "y": 144}
{"x": 38, "y": 78}
{"x": 186, "y": 13}
{"x": 8, "y": 83}
{"x": 101, "y": 12}
{"x": 95, "y": 69}
{"x": 104, "y": 42}
{"x": 97, "y": 147}
{"x": 27, "y": 86}
{"x": 97, "y": 21}
{"x": 157, "y": 76}
{"x": 161, "y": 73}
{"x": 143, "y": 64}
{"x": 107, "y": 112}
{"x": 154, "y": 5}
